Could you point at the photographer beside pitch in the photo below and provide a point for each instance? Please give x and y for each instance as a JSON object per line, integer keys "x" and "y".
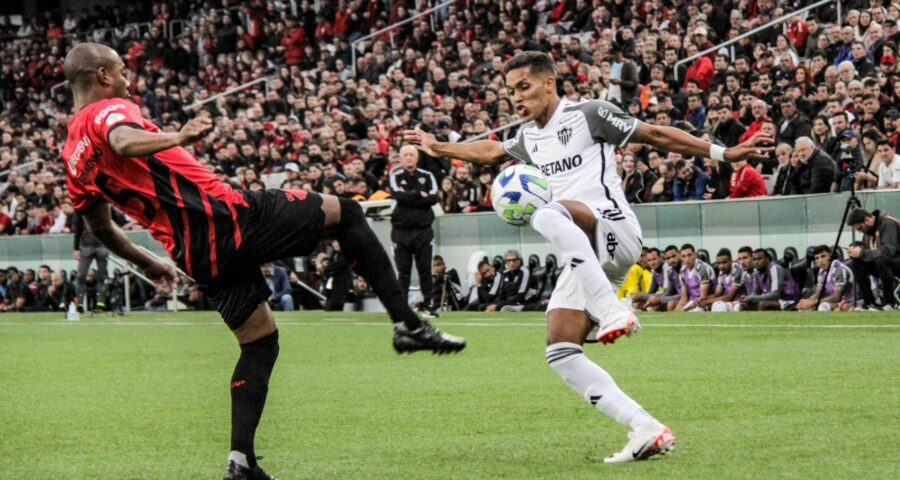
{"x": 879, "y": 255}
{"x": 574, "y": 144}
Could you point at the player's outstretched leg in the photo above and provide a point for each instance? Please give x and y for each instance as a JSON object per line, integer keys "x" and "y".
{"x": 258, "y": 338}
{"x": 565, "y": 329}
{"x": 362, "y": 247}
{"x": 564, "y": 226}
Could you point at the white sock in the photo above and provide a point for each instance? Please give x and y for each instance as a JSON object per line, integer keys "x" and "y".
{"x": 596, "y": 386}
{"x": 720, "y": 306}
{"x": 824, "y": 307}
{"x": 238, "y": 458}
{"x": 555, "y": 224}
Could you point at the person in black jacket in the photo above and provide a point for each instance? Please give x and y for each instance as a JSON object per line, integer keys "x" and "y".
{"x": 878, "y": 255}
{"x": 728, "y": 130}
{"x": 487, "y": 282}
{"x": 415, "y": 191}
{"x": 793, "y": 124}
{"x": 817, "y": 172}
{"x": 513, "y": 283}
{"x": 447, "y": 287}
{"x": 340, "y": 280}
{"x": 87, "y": 250}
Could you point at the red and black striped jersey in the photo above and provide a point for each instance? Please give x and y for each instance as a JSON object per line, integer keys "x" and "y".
{"x": 193, "y": 214}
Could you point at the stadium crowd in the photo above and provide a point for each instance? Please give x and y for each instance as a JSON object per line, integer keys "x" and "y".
{"x": 828, "y": 91}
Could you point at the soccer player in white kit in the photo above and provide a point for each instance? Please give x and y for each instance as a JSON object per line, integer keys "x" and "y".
{"x": 589, "y": 223}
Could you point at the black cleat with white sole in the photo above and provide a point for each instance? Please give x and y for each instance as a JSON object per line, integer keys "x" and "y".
{"x": 239, "y": 472}
{"x": 425, "y": 337}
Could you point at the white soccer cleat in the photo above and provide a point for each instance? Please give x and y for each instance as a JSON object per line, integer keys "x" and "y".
{"x": 643, "y": 445}
{"x": 615, "y": 321}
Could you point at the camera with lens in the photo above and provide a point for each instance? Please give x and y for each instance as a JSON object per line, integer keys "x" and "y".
{"x": 847, "y": 161}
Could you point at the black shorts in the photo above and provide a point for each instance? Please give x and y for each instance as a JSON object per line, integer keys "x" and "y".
{"x": 279, "y": 224}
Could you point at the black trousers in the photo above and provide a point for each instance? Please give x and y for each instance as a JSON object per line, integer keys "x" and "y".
{"x": 885, "y": 268}
{"x": 414, "y": 244}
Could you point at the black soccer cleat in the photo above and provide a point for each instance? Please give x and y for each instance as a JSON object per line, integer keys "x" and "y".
{"x": 239, "y": 472}
{"x": 425, "y": 337}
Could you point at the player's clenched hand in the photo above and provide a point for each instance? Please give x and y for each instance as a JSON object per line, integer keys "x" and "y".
{"x": 424, "y": 141}
{"x": 193, "y": 129}
{"x": 162, "y": 275}
{"x": 752, "y": 148}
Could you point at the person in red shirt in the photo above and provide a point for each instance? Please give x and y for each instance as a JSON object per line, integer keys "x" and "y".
{"x": 292, "y": 43}
{"x": 746, "y": 182}
{"x": 701, "y": 70}
{"x": 220, "y": 236}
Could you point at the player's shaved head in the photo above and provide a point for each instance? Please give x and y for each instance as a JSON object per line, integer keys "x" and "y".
{"x": 84, "y": 59}
{"x": 95, "y": 72}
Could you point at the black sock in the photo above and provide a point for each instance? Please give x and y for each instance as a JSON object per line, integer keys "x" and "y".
{"x": 249, "y": 386}
{"x": 360, "y": 244}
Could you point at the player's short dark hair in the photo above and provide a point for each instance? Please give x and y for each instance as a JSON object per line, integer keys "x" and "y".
{"x": 644, "y": 250}
{"x": 724, "y": 252}
{"x": 654, "y": 250}
{"x": 437, "y": 258}
{"x": 763, "y": 252}
{"x": 537, "y": 63}
{"x": 745, "y": 249}
{"x": 858, "y": 215}
{"x": 883, "y": 141}
{"x": 688, "y": 246}
{"x": 822, "y": 249}
{"x": 671, "y": 247}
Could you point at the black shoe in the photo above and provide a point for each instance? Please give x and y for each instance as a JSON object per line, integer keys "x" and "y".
{"x": 425, "y": 337}
{"x": 238, "y": 472}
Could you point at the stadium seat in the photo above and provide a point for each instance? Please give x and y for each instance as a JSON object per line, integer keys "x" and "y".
{"x": 536, "y": 278}
{"x": 788, "y": 257}
{"x": 534, "y": 262}
{"x": 802, "y": 273}
{"x": 498, "y": 263}
{"x": 703, "y": 254}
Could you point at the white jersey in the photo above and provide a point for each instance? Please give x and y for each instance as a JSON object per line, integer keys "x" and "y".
{"x": 576, "y": 153}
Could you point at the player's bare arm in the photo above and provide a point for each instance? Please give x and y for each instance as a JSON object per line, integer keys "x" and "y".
{"x": 99, "y": 221}
{"x": 485, "y": 152}
{"x": 679, "y": 141}
{"x": 134, "y": 142}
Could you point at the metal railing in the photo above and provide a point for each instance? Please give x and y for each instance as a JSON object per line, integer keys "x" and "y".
{"x": 390, "y": 29}
{"x": 18, "y": 168}
{"x": 230, "y": 91}
{"x": 754, "y": 31}
{"x": 56, "y": 87}
{"x": 498, "y": 129}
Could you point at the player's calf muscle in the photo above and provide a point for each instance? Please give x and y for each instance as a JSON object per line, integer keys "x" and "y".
{"x": 565, "y": 325}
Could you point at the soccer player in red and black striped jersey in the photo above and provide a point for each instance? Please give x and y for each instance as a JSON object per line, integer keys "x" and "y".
{"x": 218, "y": 235}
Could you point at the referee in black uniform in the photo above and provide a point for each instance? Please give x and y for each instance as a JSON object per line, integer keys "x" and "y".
{"x": 415, "y": 191}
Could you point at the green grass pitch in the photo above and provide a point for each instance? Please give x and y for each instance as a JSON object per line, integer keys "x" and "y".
{"x": 767, "y": 396}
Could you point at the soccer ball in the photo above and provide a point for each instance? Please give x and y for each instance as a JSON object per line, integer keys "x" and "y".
{"x": 518, "y": 192}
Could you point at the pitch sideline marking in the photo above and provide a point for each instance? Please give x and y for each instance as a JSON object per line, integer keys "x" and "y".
{"x": 463, "y": 324}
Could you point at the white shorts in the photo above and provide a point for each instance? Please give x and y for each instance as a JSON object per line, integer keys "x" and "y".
{"x": 618, "y": 246}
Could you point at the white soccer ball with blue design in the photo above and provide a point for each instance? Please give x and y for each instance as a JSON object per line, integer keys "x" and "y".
{"x": 518, "y": 192}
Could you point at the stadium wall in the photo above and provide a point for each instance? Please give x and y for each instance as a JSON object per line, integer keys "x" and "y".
{"x": 776, "y": 222}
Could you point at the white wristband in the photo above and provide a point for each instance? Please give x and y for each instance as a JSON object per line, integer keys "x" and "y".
{"x": 717, "y": 152}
